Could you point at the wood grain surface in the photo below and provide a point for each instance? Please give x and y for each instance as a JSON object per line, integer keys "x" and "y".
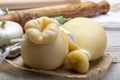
{"x": 23, "y": 4}
{"x": 86, "y": 9}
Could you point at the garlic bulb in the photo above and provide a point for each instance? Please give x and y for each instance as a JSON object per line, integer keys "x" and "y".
{"x": 9, "y": 30}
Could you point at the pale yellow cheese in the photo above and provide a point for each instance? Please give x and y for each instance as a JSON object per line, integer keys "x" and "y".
{"x": 79, "y": 61}
{"x": 89, "y": 35}
{"x": 48, "y": 52}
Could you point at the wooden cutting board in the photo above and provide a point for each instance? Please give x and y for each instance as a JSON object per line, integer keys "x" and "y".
{"x": 97, "y": 68}
{"x": 22, "y": 4}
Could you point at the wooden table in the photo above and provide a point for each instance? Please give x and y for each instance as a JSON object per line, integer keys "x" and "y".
{"x": 113, "y": 48}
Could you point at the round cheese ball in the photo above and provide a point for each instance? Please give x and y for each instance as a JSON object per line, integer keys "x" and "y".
{"x": 89, "y": 35}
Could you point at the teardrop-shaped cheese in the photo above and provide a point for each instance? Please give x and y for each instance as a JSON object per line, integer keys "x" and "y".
{"x": 45, "y": 46}
{"x": 79, "y": 61}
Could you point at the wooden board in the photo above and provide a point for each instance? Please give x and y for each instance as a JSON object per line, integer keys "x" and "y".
{"x": 22, "y": 4}
{"x": 97, "y": 68}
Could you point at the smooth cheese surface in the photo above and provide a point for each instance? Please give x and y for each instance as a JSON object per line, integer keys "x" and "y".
{"x": 45, "y": 46}
{"x": 48, "y": 56}
{"x": 89, "y": 34}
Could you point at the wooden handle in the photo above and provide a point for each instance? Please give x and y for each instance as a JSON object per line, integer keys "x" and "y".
{"x": 103, "y": 7}
{"x": 86, "y": 9}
